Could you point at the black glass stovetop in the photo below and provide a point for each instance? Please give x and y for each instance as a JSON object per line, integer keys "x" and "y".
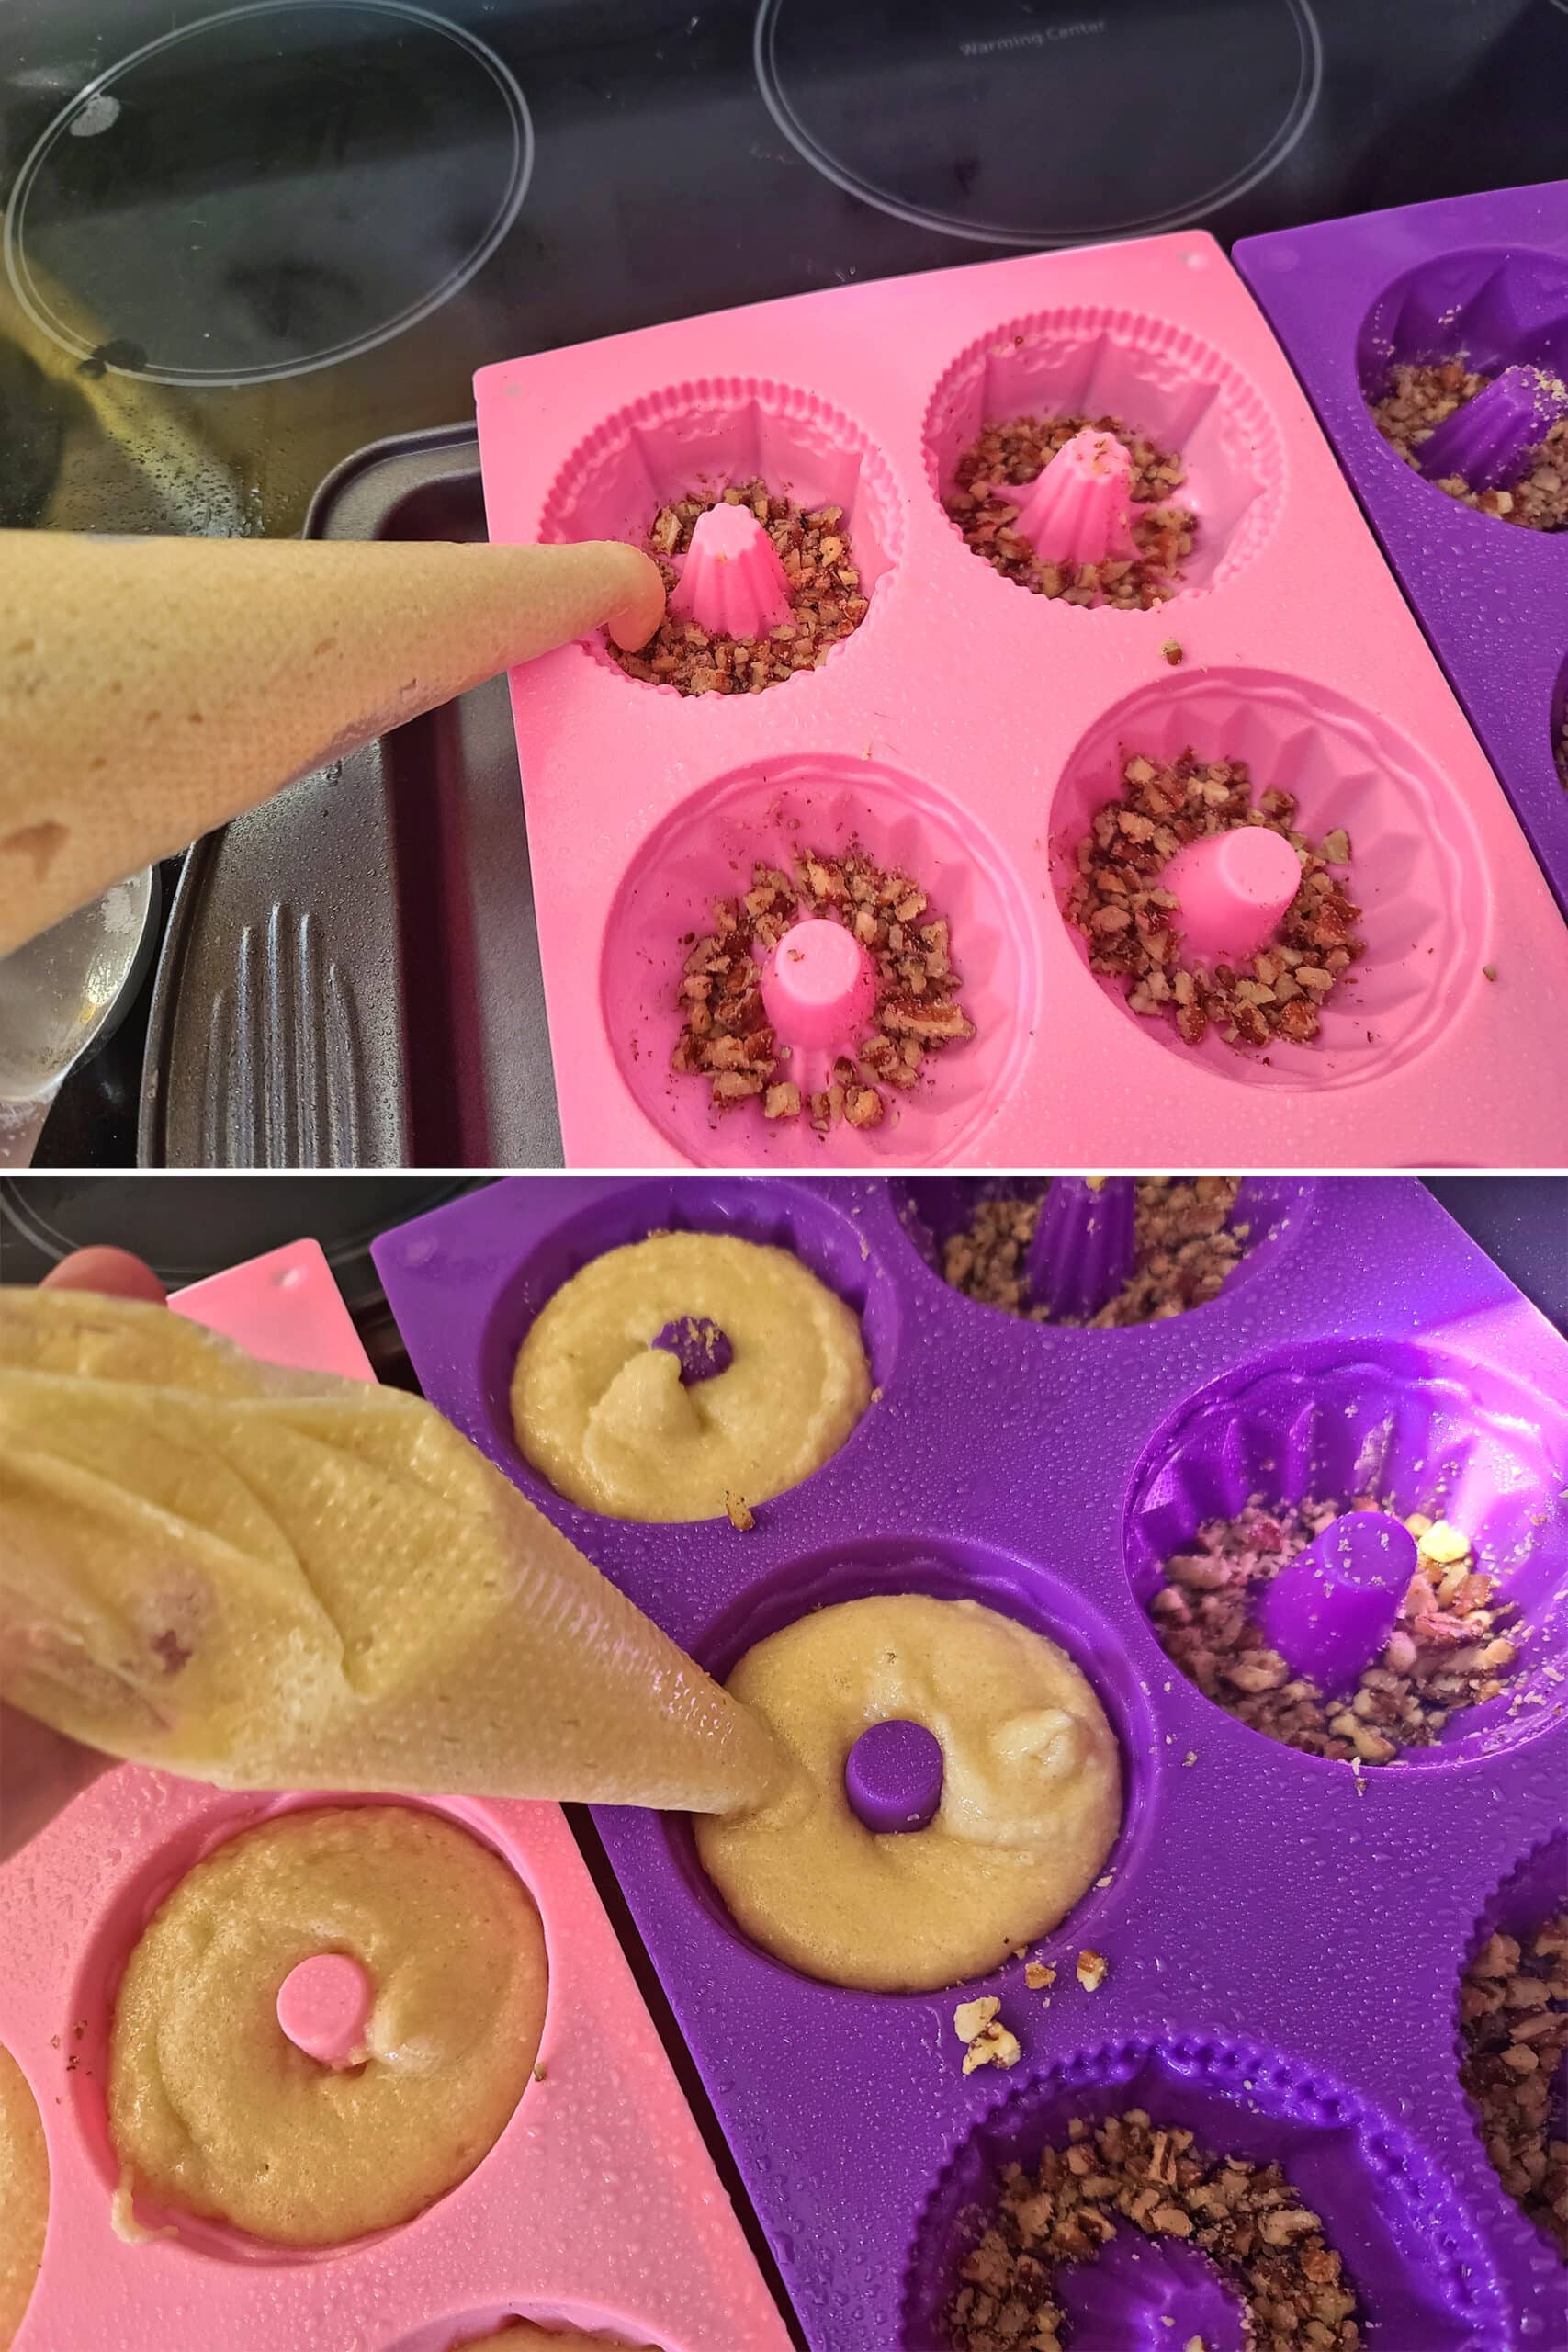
{"x": 243, "y": 241}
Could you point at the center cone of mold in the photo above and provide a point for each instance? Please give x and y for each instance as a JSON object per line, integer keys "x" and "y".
{"x": 818, "y": 984}
{"x": 1082, "y": 1251}
{"x": 1233, "y": 890}
{"x": 1078, "y": 508}
{"x": 699, "y": 1345}
{"x": 324, "y": 2005}
{"x": 1149, "y": 2295}
{"x": 1329, "y": 1611}
{"x": 893, "y": 1776}
{"x": 732, "y": 584}
{"x": 1487, "y": 440}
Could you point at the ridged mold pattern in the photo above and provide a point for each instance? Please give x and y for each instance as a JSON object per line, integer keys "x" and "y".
{"x": 1423, "y": 1430}
{"x": 1415, "y": 868}
{"x": 1409, "y": 2247}
{"x": 707, "y": 434}
{"x": 1275, "y": 1211}
{"x": 1491, "y": 307}
{"x": 1153, "y": 376}
{"x": 771, "y": 812}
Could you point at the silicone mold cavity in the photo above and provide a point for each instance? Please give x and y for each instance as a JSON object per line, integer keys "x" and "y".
{"x": 949, "y": 1568}
{"x": 713, "y": 433}
{"x": 1485, "y": 274}
{"x": 1278, "y": 1210}
{"x": 218, "y": 1819}
{"x": 1153, "y": 376}
{"x": 1493, "y": 308}
{"x": 1520, "y": 1903}
{"x": 571, "y": 2321}
{"x": 1415, "y": 868}
{"x": 783, "y": 1216}
{"x": 706, "y": 848}
{"x": 1409, "y": 2247}
{"x": 1420, "y": 1428}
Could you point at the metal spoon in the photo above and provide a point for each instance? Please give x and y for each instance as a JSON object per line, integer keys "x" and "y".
{"x": 59, "y": 996}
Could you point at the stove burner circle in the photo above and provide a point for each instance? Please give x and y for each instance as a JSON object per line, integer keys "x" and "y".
{"x": 1042, "y": 122}
{"x": 269, "y": 190}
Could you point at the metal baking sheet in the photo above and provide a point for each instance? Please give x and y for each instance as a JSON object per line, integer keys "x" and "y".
{"x": 350, "y": 976}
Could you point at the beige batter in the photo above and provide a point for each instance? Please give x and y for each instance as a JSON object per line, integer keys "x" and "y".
{"x": 213, "y": 2108}
{"x": 603, "y": 1415}
{"x": 277, "y": 1579}
{"x": 522, "y": 2336}
{"x": 24, "y": 2195}
{"x": 1031, "y": 1803}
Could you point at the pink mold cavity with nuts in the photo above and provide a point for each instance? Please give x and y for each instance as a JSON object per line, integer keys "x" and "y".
{"x": 1012, "y": 710}
{"x": 706, "y": 848}
{"x": 597, "y": 2207}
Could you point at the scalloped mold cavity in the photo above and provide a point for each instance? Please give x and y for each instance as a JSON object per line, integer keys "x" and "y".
{"x": 1423, "y": 1432}
{"x": 1492, "y": 309}
{"x": 1276, "y": 1210}
{"x": 769, "y": 813}
{"x": 713, "y": 433}
{"x": 1410, "y": 2249}
{"x": 1151, "y": 376}
{"x": 779, "y": 1216}
{"x": 1415, "y": 866}
{"x": 1485, "y": 277}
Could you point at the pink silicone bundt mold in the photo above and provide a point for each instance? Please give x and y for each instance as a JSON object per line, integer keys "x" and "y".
{"x": 706, "y": 848}
{"x": 1155, "y": 379}
{"x": 707, "y": 435}
{"x": 1415, "y": 868}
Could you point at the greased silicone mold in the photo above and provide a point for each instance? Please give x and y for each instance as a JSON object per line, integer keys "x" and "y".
{"x": 1483, "y": 275}
{"x": 1283, "y": 1935}
{"x": 969, "y": 729}
{"x": 598, "y": 2207}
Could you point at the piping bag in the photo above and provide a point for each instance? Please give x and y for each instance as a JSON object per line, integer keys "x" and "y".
{"x": 266, "y": 1578}
{"x": 153, "y": 689}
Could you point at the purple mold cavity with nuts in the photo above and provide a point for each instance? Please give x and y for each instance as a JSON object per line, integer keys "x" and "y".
{"x": 1483, "y": 278}
{"x": 1282, "y": 1939}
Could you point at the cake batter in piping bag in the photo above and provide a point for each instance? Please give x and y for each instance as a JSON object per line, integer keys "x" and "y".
{"x": 151, "y": 688}
{"x": 268, "y": 1579}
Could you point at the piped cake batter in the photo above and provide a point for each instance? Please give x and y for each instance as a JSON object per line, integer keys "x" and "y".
{"x": 1030, "y": 1797}
{"x": 24, "y": 2194}
{"x": 616, "y": 1422}
{"x": 213, "y": 2110}
{"x": 522, "y": 2336}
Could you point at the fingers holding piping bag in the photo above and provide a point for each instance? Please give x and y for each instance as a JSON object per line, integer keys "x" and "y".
{"x": 151, "y": 689}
